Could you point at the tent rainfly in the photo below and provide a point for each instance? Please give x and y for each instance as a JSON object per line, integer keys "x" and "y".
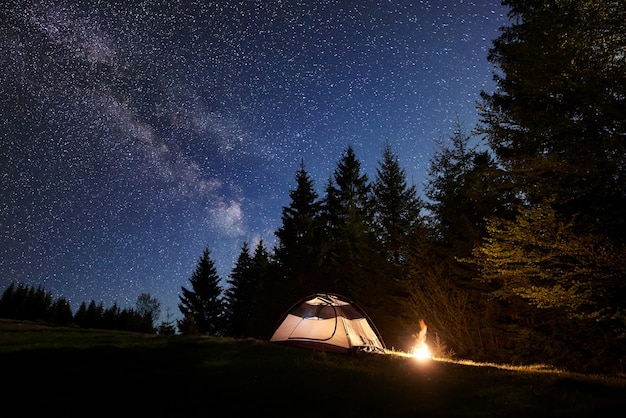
{"x": 328, "y": 322}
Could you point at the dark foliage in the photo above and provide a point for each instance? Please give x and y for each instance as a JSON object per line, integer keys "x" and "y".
{"x": 20, "y": 301}
{"x": 127, "y": 319}
{"x": 202, "y": 306}
{"x": 250, "y": 295}
{"x": 345, "y": 218}
{"x": 27, "y": 302}
{"x": 168, "y": 326}
{"x": 240, "y": 296}
{"x": 556, "y": 124}
{"x": 395, "y": 208}
{"x": 301, "y": 244}
{"x": 557, "y": 121}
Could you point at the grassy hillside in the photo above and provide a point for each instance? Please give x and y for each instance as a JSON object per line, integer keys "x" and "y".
{"x": 78, "y": 372}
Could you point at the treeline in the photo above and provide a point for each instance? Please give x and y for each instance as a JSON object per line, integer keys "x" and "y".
{"x": 20, "y": 301}
{"x": 351, "y": 241}
{"x": 515, "y": 249}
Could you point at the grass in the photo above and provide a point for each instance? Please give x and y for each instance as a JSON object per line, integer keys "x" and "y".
{"x": 82, "y": 372}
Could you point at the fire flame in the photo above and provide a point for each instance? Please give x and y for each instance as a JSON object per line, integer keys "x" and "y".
{"x": 421, "y": 351}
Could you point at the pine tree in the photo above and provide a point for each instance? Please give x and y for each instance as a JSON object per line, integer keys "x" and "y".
{"x": 557, "y": 126}
{"x": 461, "y": 190}
{"x": 345, "y": 216}
{"x": 464, "y": 186}
{"x": 202, "y": 306}
{"x": 80, "y": 317}
{"x": 349, "y": 191}
{"x": 26, "y": 302}
{"x": 270, "y": 300}
{"x": 111, "y": 318}
{"x": 240, "y": 296}
{"x": 299, "y": 248}
{"x": 8, "y": 302}
{"x": 557, "y": 121}
{"x": 61, "y": 312}
{"x": 396, "y": 208}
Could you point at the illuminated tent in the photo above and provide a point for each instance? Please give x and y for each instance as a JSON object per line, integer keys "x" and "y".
{"x": 328, "y": 322}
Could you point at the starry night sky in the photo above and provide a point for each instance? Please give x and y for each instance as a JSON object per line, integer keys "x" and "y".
{"x": 134, "y": 134}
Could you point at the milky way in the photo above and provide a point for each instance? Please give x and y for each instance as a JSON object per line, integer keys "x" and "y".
{"x": 134, "y": 134}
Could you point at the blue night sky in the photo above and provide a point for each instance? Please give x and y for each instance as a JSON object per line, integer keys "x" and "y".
{"x": 134, "y": 134}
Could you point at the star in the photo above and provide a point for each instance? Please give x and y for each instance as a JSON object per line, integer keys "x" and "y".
{"x": 135, "y": 134}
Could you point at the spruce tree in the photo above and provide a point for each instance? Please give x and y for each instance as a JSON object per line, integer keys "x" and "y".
{"x": 395, "y": 207}
{"x": 241, "y": 295}
{"x": 349, "y": 191}
{"x": 80, "y": 318}
{"x": 557, "y": 126}
{"x": 298, "y": 251}
{"x": 271, "y": 299}
{"x": 395, "y": 219}
{"x": 345, "y": 216}
{"x": 464, "y": 186}
{"x": 62, "y": 312}
{"x": 557, "y": 120}
{"x": 202, "y": 306}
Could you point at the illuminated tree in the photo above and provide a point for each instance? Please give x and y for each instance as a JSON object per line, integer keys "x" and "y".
{"x": 539, "y": 258}
{"x": 557, "y": 126}
{"x": 455, "y": 321}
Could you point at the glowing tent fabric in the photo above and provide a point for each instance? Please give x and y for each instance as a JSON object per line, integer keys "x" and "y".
{"x": 328, "y": 322}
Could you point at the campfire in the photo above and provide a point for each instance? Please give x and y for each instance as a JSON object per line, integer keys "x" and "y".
{"x": 421, "y": 351}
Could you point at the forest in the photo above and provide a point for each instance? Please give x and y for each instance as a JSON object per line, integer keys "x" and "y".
{"x": 513, "y": 252}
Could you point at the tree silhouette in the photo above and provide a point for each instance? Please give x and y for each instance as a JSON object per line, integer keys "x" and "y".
{"x": 202, "y": 306}
{"x": 557, "y": 121}
{"x": 345, "y": 221}
{"x": 241, "y": 295}
{"x": 149, "y": 309}
{"x": 395, "y": 206}
{"x": 20, "y": 301}
{"x": 299, "y": 249}
{"x": 167, "y": 327}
